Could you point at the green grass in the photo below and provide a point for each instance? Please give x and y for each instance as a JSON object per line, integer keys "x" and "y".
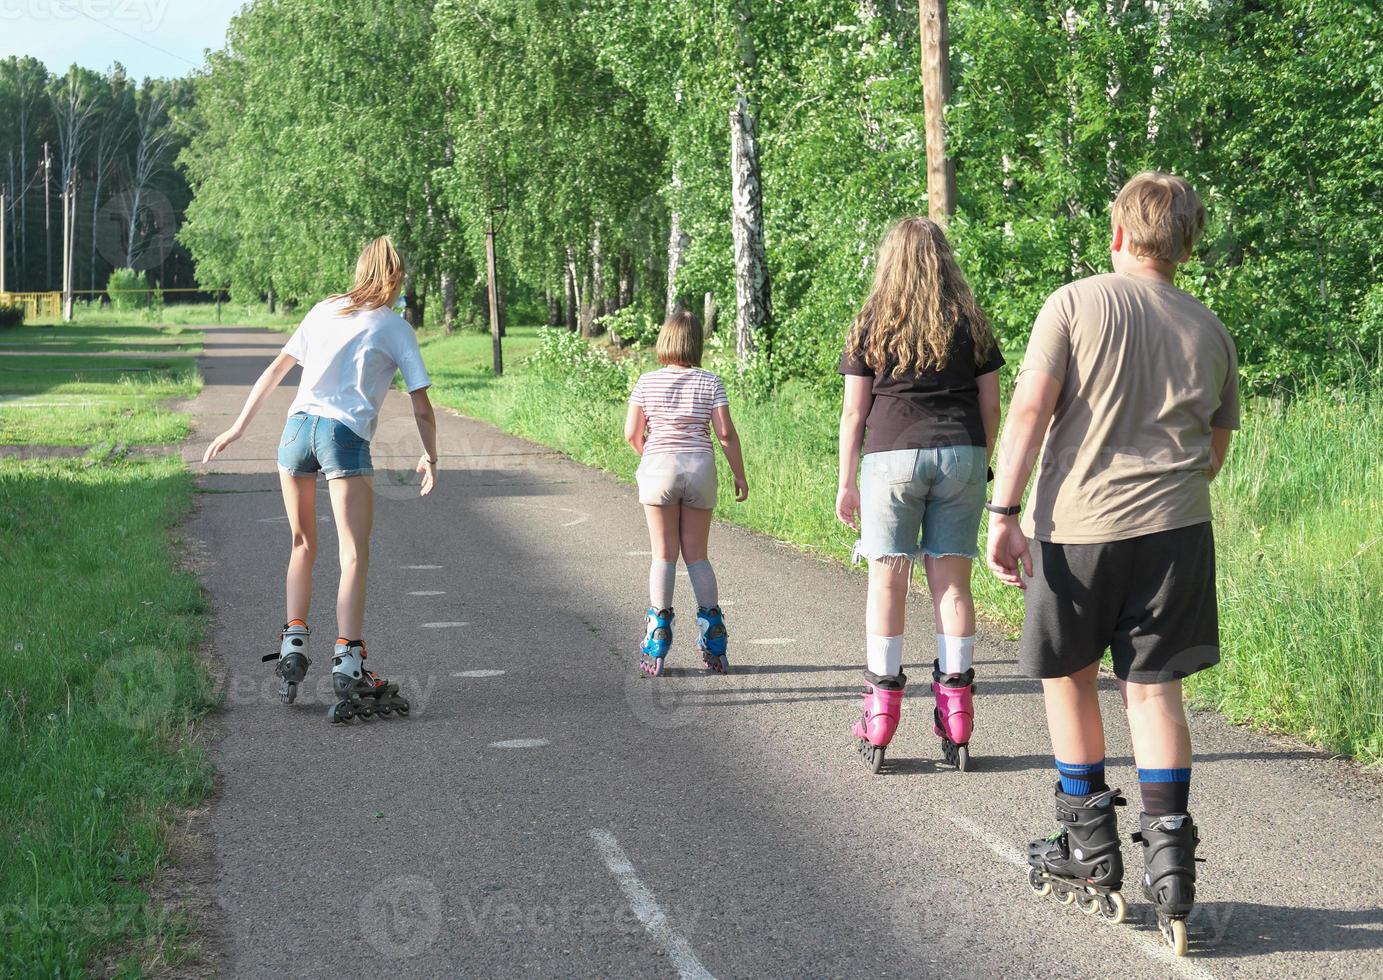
{"x": 79, "y": 337}
{"x": 102, "y": 685}
{"x": 64, "y": 396}
{"x": 182, "y": 314}
{"x": 1299, "y": 527}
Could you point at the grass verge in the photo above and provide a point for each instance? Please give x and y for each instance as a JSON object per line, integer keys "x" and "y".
{"x": 78, "y": 337}
{"x": 99, "y": 633}
{"x": 1299, "y": 527}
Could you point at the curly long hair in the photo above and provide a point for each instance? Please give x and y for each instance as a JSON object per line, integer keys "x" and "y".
{"x": 919, "y": 300}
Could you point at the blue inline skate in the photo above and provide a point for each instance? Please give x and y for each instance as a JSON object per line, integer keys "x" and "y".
{"x": 713, "y": 639}
{"x": 656, "y": 642}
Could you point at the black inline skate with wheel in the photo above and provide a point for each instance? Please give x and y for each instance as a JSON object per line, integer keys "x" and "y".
{"x": 1082, "y": 862}
{"x": 362, "y": 693}
{"x": 1169, "y": 877}
{"x": 292, "y": 659}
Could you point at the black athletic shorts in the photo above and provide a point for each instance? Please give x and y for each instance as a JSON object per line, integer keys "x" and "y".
{"x": 1150, "y": 600}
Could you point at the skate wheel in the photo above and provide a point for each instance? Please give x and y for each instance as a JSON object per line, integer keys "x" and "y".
{"x": 385, "y": 711}
{"x": 289, "y": 694}
{"x": 1089, "y": 905}
{"x": 339, "y": 714}
{"x": 1114, "y": 908}
{"x": 1065, "y": 897}
{"x": 402, "y": 709}
{"x": 1174, "y": 931}
{"x": 962, "y": 758}
{"x": 874, "y": 758}
{"x": 1040, "y": 886}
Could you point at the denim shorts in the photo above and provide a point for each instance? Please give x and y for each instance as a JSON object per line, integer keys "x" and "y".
{"x": 311, "y": 444}
{"x": 918, "y": 503}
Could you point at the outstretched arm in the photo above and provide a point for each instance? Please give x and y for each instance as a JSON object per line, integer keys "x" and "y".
{"x": 730, "y": 444}
{"x": 276, "y": 371}
{"x": 1034, "y": 401}
{"x": 426, "y": 419}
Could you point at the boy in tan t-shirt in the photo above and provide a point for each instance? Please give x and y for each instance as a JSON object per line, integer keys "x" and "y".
{"x": 1134, "y": 385}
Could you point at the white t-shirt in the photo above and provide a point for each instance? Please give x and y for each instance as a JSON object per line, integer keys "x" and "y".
{"x": 349, "y": 361}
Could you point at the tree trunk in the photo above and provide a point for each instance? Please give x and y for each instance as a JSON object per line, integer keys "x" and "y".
{"x": 1162, "y": 10}
{"x": 273, "y": 301}
{"x": 588, "y": 328}
{"x": 709, "y": 314}
{"x": 936, "y": 92}
{"x": 572, "y": 298}
{"x": 598, "y": 305}
{"x": 626, "y": 280}
{"x": 554, "y": 309}
{"x": 412, "y": 305}
{"x": 677, "y": 245}
{"x": 448, "y": 302}
{"x": 751, "y": 272}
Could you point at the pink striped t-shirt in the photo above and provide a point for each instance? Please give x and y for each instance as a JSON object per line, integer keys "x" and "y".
{"x": 677, "y": 403}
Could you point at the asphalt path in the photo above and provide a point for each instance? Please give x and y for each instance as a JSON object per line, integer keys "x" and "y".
{"x": 548, "y": 811}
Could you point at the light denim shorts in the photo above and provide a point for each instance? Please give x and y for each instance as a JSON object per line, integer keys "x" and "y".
{"x": 918, "y": 503}
{"x": 311, "y": 444}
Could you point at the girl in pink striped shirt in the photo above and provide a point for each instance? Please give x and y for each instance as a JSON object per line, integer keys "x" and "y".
{"x": 671, "y": 411}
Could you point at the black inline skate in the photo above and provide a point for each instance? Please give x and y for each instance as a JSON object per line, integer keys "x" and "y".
{"x": 362, "y": 693}
{"x": 1169, "y": 879}
{"x": 292, "y": 659}
{"x": 1082, "y": 863}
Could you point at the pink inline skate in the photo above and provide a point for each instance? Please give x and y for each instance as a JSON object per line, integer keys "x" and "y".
{"x": 883, "y": 702}
{"x": 954, "y": 719}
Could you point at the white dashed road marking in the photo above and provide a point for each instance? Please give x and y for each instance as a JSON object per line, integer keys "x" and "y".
{"x": 477, "y": 673}
{"x": 442, "y": 626}
{"x": 519, "y": 743}
{"x": 421, "y": 568}
{"x": 427, "y": 593}
{"x": 773, "y": 641}
{"x": 646, "y": 908}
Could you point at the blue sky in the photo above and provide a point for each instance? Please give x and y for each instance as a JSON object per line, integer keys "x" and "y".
{"x": 148, "y": 37}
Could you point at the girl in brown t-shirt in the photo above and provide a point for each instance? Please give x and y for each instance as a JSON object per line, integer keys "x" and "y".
{"x": 922, "y": 410}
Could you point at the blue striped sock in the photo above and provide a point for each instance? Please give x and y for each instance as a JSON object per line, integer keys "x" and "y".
{"x": 1081, "y": 778}
{"x": 1164, "y": 790}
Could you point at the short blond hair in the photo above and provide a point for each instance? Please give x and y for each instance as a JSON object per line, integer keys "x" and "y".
{"x": 680, "y": 340}
{"x": 378, "y": 273}
{"x": 1162, "y": 216}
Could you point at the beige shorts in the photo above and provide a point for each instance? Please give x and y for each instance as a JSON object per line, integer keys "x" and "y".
{"x": 678, "y": 478}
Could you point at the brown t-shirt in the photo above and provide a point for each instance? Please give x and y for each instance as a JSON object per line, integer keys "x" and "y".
{"x": 1146, "y": 370}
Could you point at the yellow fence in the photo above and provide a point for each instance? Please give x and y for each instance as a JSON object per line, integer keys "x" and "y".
{"x": 35, "y": 305}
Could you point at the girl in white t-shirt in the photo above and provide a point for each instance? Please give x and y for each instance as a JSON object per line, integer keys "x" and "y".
{"x": 349, "y": 347}
{"x": 670, "y": 413}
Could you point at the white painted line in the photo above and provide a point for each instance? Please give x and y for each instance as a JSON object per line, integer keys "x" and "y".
{"x": 443, "y": 626}
{"x": 632, "y": 553}
{"x": 519, "y": 743}
{"x": 581, "y": 516}
{"x": 773, "y": 641}
{"x": 477, "y": 673}
{"x": 421, "y": 568}
{"x": 1149, "y": 944}
{"x": 646, "y": 908}
{"x": 427, "y": 593}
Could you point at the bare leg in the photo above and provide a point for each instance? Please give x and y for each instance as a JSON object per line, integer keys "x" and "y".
{"x": 1157, "y": 722}
{"x": 1073, "y": 716}
{"x": 300, "y": 502}
{"x": 888, "y": 595}
{"x": 664, "y": 524}
{"x": 949, "y": 581}
{"x": 695, "y": 533}
{"x": 353, "y": 505}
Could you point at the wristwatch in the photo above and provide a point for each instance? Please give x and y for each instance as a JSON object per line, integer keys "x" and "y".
{"x": 994, "y": 508}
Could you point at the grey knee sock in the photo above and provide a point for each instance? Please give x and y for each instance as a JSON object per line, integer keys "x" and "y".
{"x": 662, "y": 575}
{"x": 703, "y": 581}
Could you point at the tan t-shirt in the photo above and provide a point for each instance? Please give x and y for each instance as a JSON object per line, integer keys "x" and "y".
{"x": 1146, "y": 370}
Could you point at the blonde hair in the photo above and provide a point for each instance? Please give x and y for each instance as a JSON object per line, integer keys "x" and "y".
{"x": 1162, "y": 216}
{"x": 378, "y": 273}
{"x": 680, "y": 340}
{"x": 919, "y": 300}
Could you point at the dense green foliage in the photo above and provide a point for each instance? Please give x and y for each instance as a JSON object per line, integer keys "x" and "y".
{"x": 127, "y": 290}
{"x": 118, "y": 139}
{"x": 102, "y": 684}
{"x": 582, "y": 127}
{"x": 1297, "y": 524}
{"x": 11, "y": 316}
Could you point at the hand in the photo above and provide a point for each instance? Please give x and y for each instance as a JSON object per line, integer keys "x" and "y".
{"x": 219, "y": 444}
{"x": 1009, "y": 557}
{"x": 428, "y": 468}
{"x": 741, "y": 489}
{"x": 848, "y": 507}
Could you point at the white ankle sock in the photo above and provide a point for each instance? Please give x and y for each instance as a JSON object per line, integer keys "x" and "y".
{"x": 884, "y": 655}
{"x": 955, "y": 654}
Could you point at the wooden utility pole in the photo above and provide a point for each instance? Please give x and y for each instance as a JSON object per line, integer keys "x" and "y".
{"x": 47, "y": 218}
{"x": 4, "y": 252}
{"x": 936, "y": 93}
{"x": 492, "y": 289}
{"x": 69, "y": 208}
